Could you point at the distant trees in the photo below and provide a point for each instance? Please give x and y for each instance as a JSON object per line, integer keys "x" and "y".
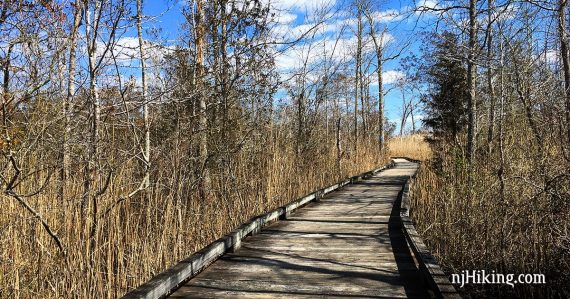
{"x": 498, "y": 59}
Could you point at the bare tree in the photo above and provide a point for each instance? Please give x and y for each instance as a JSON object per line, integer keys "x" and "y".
{"x": 200, "y": 37}
{"x": 145, "y": 100}
{"x": 358, "y": 66}
{"x": 71, "y": 90}
{"x": 565, "y": 57}
{"x": 472, "y": 85}
{"x": 490, "y": 83}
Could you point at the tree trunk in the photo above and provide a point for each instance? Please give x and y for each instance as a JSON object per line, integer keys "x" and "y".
{"x": 202, "y": 115}
{"x": 362, "y": 86}
{"x": 91, "y": 177}
{"x": 338, "y": 147}
{"x": 146, "y": 150}
{"x": 405, "y": 113}
{"x": 64, "y": 171}
{"x": 379, "y": 49}
{"x": 6, "y": 91}
{"x": 381, "y": 136}
{"x": 565, "y": 59}
{"x": 413, "y": 120}
{"x": 300, "y": 122}
{"x": 491, "y": 128}
{"x": 471, "y": 85}
{"x": 358, "y": 72}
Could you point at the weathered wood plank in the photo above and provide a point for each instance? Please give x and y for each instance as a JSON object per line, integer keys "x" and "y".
{"x": 311, "y": 287}
{"x": 209, "y": 292}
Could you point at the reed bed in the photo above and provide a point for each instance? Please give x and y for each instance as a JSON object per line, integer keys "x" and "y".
{"x": 139, "y": 237}
{"x": 412, "y": 146}
{"x": 520, "y": 228}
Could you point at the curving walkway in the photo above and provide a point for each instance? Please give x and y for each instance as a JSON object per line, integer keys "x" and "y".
{"x": 348, "y": 245}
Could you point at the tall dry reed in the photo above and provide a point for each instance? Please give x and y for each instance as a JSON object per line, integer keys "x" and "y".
{"x": 139, "y": 237}
{"x": 412, "y": 146}
{"x": 520, "y": 228}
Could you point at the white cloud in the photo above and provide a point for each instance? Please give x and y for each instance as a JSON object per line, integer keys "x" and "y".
{"x": 286, "y": 61}
{"x": 290, "y": 32}
{"x": 506, "y": 13}
{"x": 315, "y": 51}
{"x": 550, "y": 56}
{"x": 308, "y": 30}
{"x": 387, "y": 16}
{"x": 428, "y": 8}
{"x": 126, "y": 52}
{"x": 390, "y": 77}
{"x": 125, "y": 49}
{"x": 427, "y": 5}
{"x": 300, "y": 4}
{"x": 285, "y": 18}
{"x": 327, "y": 46}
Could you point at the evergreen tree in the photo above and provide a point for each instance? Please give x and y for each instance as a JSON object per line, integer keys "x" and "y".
{"x": 446, "y": 75}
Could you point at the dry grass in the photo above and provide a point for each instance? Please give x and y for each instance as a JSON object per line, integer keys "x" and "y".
{"x": 141, "y": 237}
{"x": 521, "y": 229}
{"x": 411, "y": 146}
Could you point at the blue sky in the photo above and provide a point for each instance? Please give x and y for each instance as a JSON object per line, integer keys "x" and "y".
{"x": 295, "y": 16}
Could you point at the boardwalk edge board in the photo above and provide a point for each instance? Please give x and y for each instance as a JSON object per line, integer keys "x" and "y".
{"x": 432, "y": 274}
{"x": 166, "y": 282}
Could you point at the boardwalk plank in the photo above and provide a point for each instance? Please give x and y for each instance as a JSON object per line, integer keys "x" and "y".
{"x": 348, "y": 245}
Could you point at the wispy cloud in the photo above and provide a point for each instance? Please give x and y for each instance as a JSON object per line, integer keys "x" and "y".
{"x": 388, "y": 77}
{"x": 126, "y": 51}
{"x": 427, "y": 5}
{"x": 387, "y": 16}
{"x": 300, "y": 4}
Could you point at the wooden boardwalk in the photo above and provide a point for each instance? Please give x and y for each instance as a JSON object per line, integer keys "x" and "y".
{"x": 348, "y": 245}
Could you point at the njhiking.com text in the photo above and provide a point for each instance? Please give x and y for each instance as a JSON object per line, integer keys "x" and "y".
{"x": 484, "y": 277}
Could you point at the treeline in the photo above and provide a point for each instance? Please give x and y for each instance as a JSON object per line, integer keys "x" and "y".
{"x": 122, "y": 155}
{"x": 496, "y": 194}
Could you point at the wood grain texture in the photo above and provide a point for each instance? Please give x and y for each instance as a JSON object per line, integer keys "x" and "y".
{"x": 347, "y": 245}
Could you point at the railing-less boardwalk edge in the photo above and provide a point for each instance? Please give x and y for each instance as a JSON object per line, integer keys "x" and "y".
{"x": 165, "y": 283}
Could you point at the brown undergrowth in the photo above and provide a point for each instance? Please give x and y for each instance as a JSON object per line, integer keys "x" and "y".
{"x": 520, "y": 225}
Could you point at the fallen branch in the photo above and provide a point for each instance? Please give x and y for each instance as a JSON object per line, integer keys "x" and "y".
{"x": 38, "y": 216}
{"x": 116, "y": 203}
